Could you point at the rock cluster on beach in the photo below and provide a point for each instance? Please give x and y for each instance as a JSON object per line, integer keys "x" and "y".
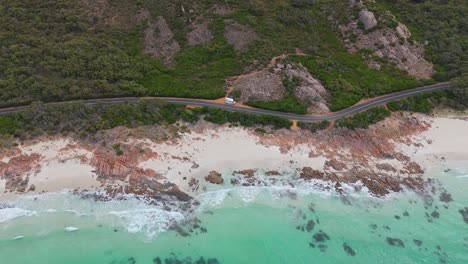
{"x": 352, "y": 160}
{"x": 214, "y": 177}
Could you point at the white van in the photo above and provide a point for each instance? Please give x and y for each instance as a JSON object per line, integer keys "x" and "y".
{"x": 230, "y": 101}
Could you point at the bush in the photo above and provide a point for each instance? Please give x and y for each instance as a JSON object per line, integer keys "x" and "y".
{"x": 7, "y": 125}
{"x": 363, "y": 120}
{"x": 118, "y": 150}
{"x": 289, "y": 104}
{"x": 314, "y": 127}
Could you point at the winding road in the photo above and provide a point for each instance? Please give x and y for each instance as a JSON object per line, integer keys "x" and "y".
{"x": 360, "y": 107}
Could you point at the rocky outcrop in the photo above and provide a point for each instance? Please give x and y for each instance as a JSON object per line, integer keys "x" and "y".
{"x": 263, "y": 85}
{"x": 336, "y": 164}
{"x": 17, "y": 170}
{"x": 379, "y": 184}
{"x": 214, "y": 177}
{"x": 310, "y": 90}
{"x": 368, "y": 19}
{"x": 246, "y": 173}
{"x": 386, "y": 42}
{"x": 151, "y": 187}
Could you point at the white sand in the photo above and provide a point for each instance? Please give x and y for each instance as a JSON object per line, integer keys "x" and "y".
{"x": 60, "y": 169}
{"x": 449, "y": 144}
{"x": 224, "y": 150}
{"x": 71, "y": 174}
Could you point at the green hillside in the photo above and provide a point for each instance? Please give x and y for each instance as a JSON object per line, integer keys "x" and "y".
{"x": 54, "y": 50}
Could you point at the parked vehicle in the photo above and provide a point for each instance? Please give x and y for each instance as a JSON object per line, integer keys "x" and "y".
{"x": 230, "y": 101}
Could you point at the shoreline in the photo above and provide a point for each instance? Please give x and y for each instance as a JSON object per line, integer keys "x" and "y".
{"x": 181, "y": 167}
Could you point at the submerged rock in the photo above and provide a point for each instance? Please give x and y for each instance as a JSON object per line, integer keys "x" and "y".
{"x": 464, "y": 213}
{"x": 187, "y": 260}
{"x": 130, "y": 260}
{"x": 445, "y": 197}
{"x": 310, "y": 225}
{"x": 396, "y": 242}
{"x": 349, "y": 250}
{"x": 417, "y": 242}
{"x": 321, "y": 236}
{"x": 435, "y": 214}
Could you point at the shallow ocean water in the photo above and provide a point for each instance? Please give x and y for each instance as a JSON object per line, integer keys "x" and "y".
{"x": 242, "y": 225}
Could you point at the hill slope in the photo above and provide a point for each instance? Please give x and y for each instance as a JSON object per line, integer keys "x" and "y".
{"x": 56, "y": 50}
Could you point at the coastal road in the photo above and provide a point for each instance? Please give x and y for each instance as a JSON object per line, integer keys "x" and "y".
{"x": 360, "y": 107}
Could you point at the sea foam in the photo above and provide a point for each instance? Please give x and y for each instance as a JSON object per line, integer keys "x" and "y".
{"x": 71, "y": 229}
{"x": 8, "y": 214}
{"x": 150, "y": 221}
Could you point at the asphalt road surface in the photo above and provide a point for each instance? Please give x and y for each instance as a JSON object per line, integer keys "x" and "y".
{"x": 307, "y": 118}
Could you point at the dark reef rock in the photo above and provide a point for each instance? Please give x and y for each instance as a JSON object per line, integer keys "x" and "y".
{"x": 349, "y": 250}
{"x": 405, "y": 213}
{"x": 130, "y": 260}
{"x": 322, "y": 247}
{"x": 321, "y": 236}
{"x": 417, "y": 242}
{"x": 464, "y": 213}
{"x": 188, "y": 260}
{"x": 310, "y": 225}
{"x": 445, "y": 197}
{"x": 396, "y": 242}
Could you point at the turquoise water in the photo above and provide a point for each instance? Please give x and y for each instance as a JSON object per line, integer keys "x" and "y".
{"x": 241, "y": 225}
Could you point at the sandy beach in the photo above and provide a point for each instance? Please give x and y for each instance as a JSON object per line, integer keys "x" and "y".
{"x": 67, "y": 164}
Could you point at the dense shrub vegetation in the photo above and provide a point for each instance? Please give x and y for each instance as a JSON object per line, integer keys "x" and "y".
{"x": 83, "y": 119}
{"x": 289, "y": 104}
{"x": 442, "y": 26}
{"x": 314, "y": 127}
{"x": 219, "y": 116}
{"x": 349, "y": 80}
{"x": 54, "y": 50}
{"x": 364, "y": 119}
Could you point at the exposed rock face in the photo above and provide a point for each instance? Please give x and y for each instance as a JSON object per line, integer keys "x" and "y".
{"x": 262, "y": 85}
{"x": 200, "y": 34}
{"x": 214, "y": 177}
{"x": 388, "y": 43}
{"x": 238, "y": 35}
{"x": 368, "y": 19}
{"x": 159, "y": 40}
{"x": 336, "y": 164}
{"x": 17, "y": 170}
{"x": 403, "y": 31}
{"x": 310, "y": 90}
